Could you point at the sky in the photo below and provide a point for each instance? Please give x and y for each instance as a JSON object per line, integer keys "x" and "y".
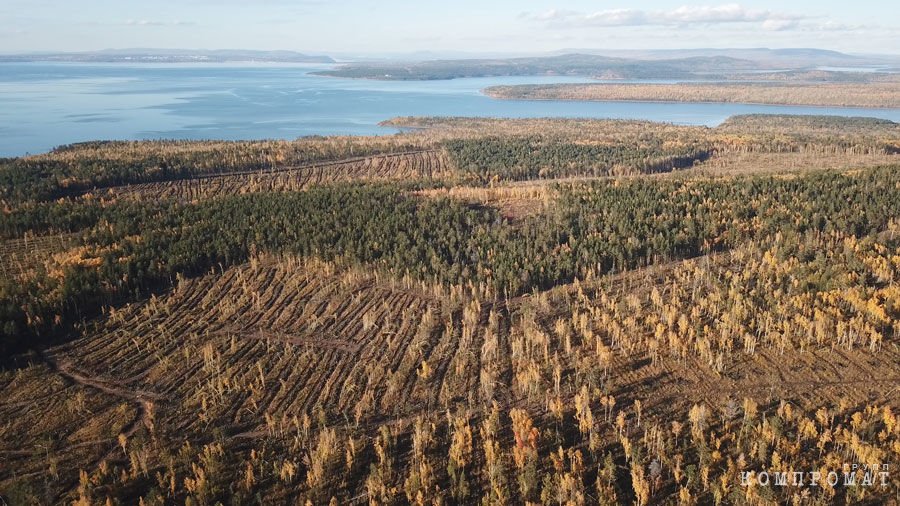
{"x": 383, "y": 27}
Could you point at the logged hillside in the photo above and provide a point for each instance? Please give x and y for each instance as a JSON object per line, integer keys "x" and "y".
{"x": 81, "y": 167}
{"x": 480, "y": 311}
{"x": 321, "y": 381}
{"x": 430, "y": 164}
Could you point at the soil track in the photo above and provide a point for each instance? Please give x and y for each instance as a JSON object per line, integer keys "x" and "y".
{"x": 143, "y": 401}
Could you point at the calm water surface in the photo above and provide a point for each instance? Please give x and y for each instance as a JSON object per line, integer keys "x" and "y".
{"x": 43, "y": 105}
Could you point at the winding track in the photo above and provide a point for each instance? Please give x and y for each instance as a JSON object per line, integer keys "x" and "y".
{"x": 142, "y": 399}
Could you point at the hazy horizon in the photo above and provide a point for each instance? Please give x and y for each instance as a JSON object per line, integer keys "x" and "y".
{"x": 355, "y": 28}
{"x": 443, "y": 54}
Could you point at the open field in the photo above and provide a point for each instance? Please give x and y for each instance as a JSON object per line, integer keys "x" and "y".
{"x": 479, "y": 311}
{"x": 876, "y": 94}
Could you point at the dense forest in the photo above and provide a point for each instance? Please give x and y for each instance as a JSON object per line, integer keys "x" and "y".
{"x": 517, "y": 159}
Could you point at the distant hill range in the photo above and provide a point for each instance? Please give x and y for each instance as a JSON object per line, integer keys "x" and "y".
{"x": 568, "y": 64}
{"x": 681, "y": 64}
{"x": 170, "y": 56}
{"x": 615, "y": 64}
{"x": 787, "y": 57}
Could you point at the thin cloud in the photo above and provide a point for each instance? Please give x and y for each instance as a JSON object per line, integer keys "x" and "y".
{"x": 778, "y": 25}
{"x": 832, "y": 26}
{"x": 148, "y": 22}
{"x": 685, "y": 15}
{"x": 12, "y": 33}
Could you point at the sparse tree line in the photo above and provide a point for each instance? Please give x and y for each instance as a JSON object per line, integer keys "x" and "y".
{"x": 822, "y": 291}
{"x": 741, "y": 452}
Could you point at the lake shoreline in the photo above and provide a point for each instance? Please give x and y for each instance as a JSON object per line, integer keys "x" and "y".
{"x": 47, "y": 105}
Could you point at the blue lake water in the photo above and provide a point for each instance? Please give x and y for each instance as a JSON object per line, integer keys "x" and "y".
{"x": 43, "y": 105}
